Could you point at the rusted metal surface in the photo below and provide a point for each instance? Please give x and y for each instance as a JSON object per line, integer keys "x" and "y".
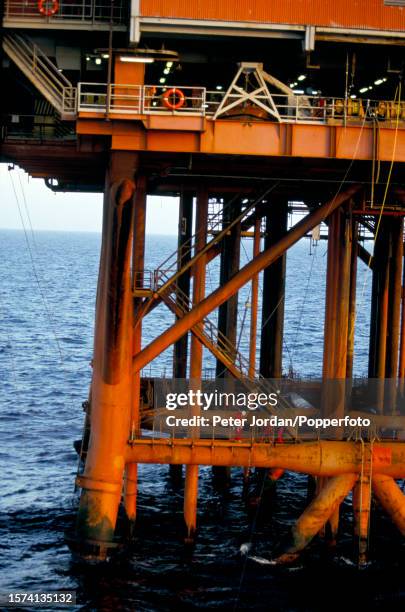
{"x": 112, "y": 383}
{"x": 323, "y": 458}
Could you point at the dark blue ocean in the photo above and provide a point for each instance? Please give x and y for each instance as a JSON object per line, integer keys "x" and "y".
{"x": 47, "y": 293}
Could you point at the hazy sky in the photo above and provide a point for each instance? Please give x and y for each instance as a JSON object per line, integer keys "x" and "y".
{"x": 68, "y": 211}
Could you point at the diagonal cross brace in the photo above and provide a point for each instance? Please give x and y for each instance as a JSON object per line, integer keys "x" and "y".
{"x": 223, "y": 293}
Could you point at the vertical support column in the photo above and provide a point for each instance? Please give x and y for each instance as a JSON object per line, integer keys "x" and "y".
{"x": 352, "y": 302}
{"x": 379, "y": 303}
{"x": 229, "y": 265}
{"x": 394, "y": 297}
{"x": 254, "y": 303}
{"x": 362, "y": 504}
{"x": 138, "y": 264}
{"x": 340, "y": 296}
{"x": 112, "y": 383}
{"x": 271, "y": 345}
{"x": 180, "y": 352}
{"x": 196, "y": 354}
{"x": 339, "y": 280}
{"x": 228, "y": 311}
{"x": 394, "y": 312}
{"x": 401, "y": 365}
{"x": 183, "y": 282}
{"x": 271, "y": 339}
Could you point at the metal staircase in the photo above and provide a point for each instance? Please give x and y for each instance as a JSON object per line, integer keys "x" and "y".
{"x": 42, "y": 73}
{"x": 163, "y": 282}
{"x": 166, "y": 286}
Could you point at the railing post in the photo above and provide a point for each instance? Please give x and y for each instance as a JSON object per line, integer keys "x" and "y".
{"x": 108, "y": 98}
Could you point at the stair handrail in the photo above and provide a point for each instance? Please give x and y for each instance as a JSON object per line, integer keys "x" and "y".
{"x": 34, "y": 59}
{"x": 37, "y": 53}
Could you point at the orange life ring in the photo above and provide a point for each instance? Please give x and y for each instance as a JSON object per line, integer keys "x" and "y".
{"x": 48, "y": 7}
{"x": 171, "y": 95}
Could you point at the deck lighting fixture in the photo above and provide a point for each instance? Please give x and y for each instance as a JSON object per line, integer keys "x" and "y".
{"x": 298, "y": 91}
{"x": 105, "y": 56}
{"x": 166, "y": 71}
{"x": 353, "y": 96}
{"x": 169, "y": 64}
{"x": 136, "y": 59}
{"x": 302, "y": 77}
{"x": 97, "y": 61}
{"x": 219, "y": 87}
{"x": 378, "y": 81}
{"x": 162, "y": 80}
{"x": 363, "y": 89}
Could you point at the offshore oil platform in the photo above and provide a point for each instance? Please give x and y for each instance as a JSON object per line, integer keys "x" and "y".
{"x": 262, "y": 109}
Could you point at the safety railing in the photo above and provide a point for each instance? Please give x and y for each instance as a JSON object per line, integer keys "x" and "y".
{"x": 156, "y": 99}
{"x": 137, "y": 99}
{"x": 51, "y": 11}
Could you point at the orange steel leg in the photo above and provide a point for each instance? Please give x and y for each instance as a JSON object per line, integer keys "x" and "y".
{"x": 401, "y": 365}
{"x": 362, "y": 502}
{"x": 130, "y": 494}
{"x": 394, "y": 314}
{"x": 196, "y": 354}
{"x": 397, "y": 228}
{"x": 361, "y": 510}
{"x": 316, "y": 515}
{"x": 352, "y": 301}
{"x": 391, "y": 499}
{"x": 336, "y": 327}
{"x": 101, "y": 482}
{"x": 138, "y": 256}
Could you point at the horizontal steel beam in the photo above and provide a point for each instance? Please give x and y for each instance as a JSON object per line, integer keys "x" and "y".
{"x": 323, "y": 458}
